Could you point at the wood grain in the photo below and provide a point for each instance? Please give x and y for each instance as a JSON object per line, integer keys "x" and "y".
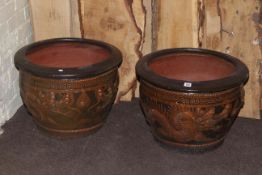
{"x": 230, "y": 29}
{"x": 54, "y": 18}
{"x": 147, "y": 33}
{"x": 175, "y": 24}
{"x": 75, "y": 28}
{"x": 121, "y": 23}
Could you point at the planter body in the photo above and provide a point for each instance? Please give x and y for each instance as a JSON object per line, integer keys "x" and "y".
{"x": 192, "y": 120}
{"x": 194, "y": 115}
{"x": 68, "y": 104}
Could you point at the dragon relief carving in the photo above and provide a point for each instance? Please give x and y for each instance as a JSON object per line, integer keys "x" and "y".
{"x": 191, "y": 123}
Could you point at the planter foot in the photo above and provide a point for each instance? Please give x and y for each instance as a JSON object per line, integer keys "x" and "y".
{"x": 64, "y": 134}
{"x": 189, "y": 148}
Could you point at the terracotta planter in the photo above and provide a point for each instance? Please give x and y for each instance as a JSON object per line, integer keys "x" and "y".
{"x": 191, "y": 97}
{"x": 68, "y": 84}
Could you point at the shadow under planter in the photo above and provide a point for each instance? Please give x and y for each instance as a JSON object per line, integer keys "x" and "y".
{"x": 68, "y": 85}
{"x": 191, "y": 97}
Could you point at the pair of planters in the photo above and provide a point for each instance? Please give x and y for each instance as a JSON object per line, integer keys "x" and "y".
{"x": 190, "y": 97}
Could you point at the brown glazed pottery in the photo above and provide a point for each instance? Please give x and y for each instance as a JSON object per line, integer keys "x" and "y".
{"x": 68, "y": 84}
{"x": 191, "y": 97}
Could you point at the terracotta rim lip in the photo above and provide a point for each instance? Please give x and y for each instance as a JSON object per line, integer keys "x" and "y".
{"x": 113, "y": 61}
{"x": 238, "y": 77}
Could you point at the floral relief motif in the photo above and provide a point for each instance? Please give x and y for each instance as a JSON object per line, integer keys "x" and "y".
{"x": 69, "y": 108}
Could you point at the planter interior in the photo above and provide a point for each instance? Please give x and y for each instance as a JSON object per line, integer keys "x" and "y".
{"x": 192, "y": 67}
{"x": 67, "y": 55}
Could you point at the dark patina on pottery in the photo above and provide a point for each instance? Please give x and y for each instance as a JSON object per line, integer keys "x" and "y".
{"x": 68, "y": 84}
{"x": 191, "y": 97}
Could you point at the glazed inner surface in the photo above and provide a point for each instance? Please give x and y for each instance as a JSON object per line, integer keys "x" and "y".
{"x": 192, "y": 67}
{"x": 67, "y": 55}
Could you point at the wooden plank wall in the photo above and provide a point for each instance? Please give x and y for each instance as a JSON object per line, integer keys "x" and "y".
{"x": 138, "y": 27}
{"x": 54, "y": 18}
{"x": 173, "y": 28}
{"x": 230, "y": 28}
{"x": 122, "y": 24}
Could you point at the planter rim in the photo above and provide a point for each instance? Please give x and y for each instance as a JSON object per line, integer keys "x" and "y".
{"x": 238, "y": 77}
{"x": 113, "y": 61}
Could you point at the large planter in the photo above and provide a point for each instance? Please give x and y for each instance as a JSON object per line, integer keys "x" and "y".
{"x": 68, "y": 84}
{"x": 191, "y": 97}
